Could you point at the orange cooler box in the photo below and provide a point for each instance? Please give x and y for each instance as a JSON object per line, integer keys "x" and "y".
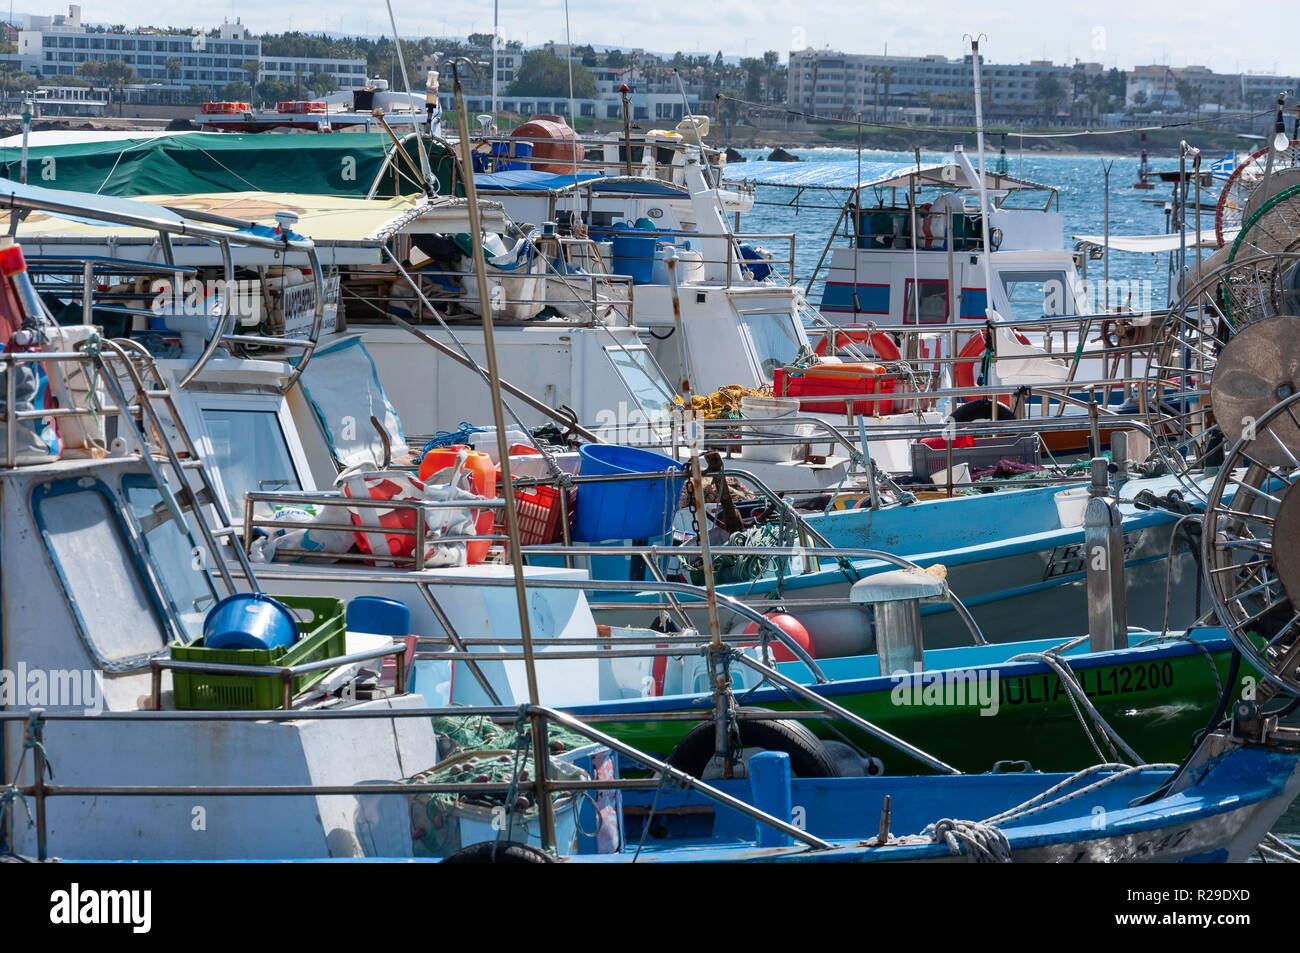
{"x": 829, "y": 380}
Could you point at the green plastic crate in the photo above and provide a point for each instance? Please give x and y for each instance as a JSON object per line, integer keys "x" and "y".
{"x": 324, "y": 636}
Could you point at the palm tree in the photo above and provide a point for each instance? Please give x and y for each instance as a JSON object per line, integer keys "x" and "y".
{"x": 252, "y": 68}
{"x": 173, "y": 68}
{"x": 887, "y": 76}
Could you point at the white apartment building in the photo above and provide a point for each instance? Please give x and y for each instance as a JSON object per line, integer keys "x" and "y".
{"x": 346, "y": 73}
{"x": 827, "y": 81}
{"x": 57, "y": 46}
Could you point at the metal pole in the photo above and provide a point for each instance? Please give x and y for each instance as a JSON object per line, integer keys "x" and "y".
{"x": 627, "y": 132}
{"x": 540, "y": 751}
{"x": 38, "y": 762}
{"x": 496, "y": 41}
{"x": 1196, "y": 171}
{"x": 1105, "y": 230}
{"x": 1182, "y": 216}
{"x": 984, "y": 209}
{"x": 721, "y": 688}
{"x": 1104, "y": 553}
{"x": 27, "y": 128}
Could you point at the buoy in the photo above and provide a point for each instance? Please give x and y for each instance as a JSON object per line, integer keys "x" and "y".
{"x": 791, "y": 627}
{"x": 965, "y": 372}
{"x": 870, "y": 339}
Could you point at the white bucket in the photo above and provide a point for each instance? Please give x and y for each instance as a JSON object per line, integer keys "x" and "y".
{"x": 768, "y": 408}
{"x": 1071, "y": 505}
{"x": 960, "y": 474}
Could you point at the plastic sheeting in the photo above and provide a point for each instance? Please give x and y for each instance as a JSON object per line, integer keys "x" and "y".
{"x": 343, "y": 388}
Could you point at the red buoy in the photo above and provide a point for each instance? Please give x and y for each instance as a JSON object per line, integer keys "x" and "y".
{"x": 791, "y": 627}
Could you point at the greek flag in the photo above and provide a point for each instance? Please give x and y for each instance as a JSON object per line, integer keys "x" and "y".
{"x": 1222, "y": 169}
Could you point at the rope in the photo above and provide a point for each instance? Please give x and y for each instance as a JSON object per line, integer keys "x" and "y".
{"x": 664, "y": 778}
{"x": 512, "y": 792}
{"x": 190, "y": 145}
{"x": 983, "y": 843}
{"x": 1075, "y": 692}
{"x": 11, "y": 793}
{"x": 1283, "y": 852}
{"x": 1184, "y": 637}
{"x": 1041, "y": 802}
{"x": 448, "y": 438}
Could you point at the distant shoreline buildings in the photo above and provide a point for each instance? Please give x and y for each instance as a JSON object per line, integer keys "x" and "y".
{"x": 922, "y": 88}
{"x": 148, "y": 66}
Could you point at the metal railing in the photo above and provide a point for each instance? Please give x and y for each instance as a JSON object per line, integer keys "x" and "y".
{"x": 41, "y": 789}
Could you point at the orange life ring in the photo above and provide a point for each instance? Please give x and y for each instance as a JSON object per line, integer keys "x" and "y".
{"x": 877, "y": 341}
{"x": 972, "y": 352}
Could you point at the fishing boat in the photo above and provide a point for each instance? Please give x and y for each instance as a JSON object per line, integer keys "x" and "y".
{"x": 333, "y": 808}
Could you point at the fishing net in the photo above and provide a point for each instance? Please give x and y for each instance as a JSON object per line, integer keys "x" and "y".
{"x": 483, "y": 753}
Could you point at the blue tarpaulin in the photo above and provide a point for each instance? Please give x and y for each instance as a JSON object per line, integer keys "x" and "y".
{"x": 871, "y": 174}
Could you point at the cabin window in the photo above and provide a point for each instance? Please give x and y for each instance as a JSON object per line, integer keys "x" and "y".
{"x": 644, "y": 379}
{"x": 101, "y": 574}
{"x": 1037, "y": 294}
{"x": 249, "y": 454}
{"x": 773, "y": 337}
{"x": 182, "y": 568}
{"x": 931, "y": 299}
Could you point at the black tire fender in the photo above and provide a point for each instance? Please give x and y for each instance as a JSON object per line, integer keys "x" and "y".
{"x": 980, "y": 410}
{"x": 506, "y": 852}
{"x": 808, "y": 756}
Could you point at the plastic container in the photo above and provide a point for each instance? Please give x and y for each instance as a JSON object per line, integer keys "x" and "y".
{"x": 249, "y": 620}
{"x": 625, "y": 509}
{"x": 483, "y": 481}
{"x": 552, "y": 140}
{"x": 1071, "y": 505}
{"x": 538, "y": 511}
{"x": 323, "y": 636}
{"x": 635, "y": 257}
{"x": 828, "y": 380}
{"x": 987, "y": 452}
{"x": 503, "y": 152}
{"x": 379, "y": 616}
{"x": 769, "y": 407}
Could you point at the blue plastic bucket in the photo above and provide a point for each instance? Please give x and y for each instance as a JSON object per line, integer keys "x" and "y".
{"x": 624, "y": 509}
{"x": 504, "y": 151}
{"x": 249, "y": 620}
{"x": 379, "y": 616}
{"x": 634, "y": 257}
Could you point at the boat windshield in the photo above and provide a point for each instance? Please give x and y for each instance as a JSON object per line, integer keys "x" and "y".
{"x": 643, "y": 378}
{"x": 773, "y": 337}
{"x": 183, "y": 567}
{"x": 1039, "y": 293}
{"x": 249, "y": 454}
{"x": 87, "y": 542}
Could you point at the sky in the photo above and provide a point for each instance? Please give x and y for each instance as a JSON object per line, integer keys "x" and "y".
{"x": 1119, "y": 33}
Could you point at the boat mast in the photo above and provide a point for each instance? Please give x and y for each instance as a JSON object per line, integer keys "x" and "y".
{"x": 496, "y": 42}
{"x": 984, "y": 205}
{"x": 540, "y": 748}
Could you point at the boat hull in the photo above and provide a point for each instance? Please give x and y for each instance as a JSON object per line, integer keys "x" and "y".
{"x": 976, "y": 712}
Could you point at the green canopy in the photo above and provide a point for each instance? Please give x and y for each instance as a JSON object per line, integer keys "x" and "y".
{"x": 318, "y": 164}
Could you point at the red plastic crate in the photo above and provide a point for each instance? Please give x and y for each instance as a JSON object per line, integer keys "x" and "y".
{"x": 829, "y": 380}
{"x": 538, "y": 511}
